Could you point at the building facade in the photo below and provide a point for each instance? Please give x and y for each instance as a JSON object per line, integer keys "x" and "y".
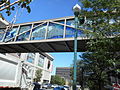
{"x": 33, "y": 62}
{"x": 42, "y": 61}
{"x": 64, "y": 72}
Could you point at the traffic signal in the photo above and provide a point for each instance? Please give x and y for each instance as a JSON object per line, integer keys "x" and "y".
{"x": 82, "y": 20}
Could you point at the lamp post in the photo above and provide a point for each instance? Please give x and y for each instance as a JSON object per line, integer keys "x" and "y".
{"x": 82, "y": 78}
{"x": 76, "y": 10}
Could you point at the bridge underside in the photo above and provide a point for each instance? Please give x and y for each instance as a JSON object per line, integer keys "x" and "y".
{"x": 59, "y": 45}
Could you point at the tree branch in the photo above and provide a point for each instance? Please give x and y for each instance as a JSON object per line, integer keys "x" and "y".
{"x": 3, "y": 3}
{"x": 1, "y": 9}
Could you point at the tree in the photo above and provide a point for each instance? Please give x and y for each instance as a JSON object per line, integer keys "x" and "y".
{"x": 9, "y": 6}
{"x": 103, "y": 48}
{"x": 38, "y": 75}
{"x": 82, "y": 77}
{"x": 57, "y": 80}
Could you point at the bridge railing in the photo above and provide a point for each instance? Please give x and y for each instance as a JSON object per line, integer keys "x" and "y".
{"x": 63, "y": 28}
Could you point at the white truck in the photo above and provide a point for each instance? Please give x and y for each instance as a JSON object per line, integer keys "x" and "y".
{"x": 14, "y": 74}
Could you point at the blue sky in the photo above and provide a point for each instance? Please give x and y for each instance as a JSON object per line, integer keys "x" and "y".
{"x": 48, "y": 9}
{"x": 63, "y": 60}
{"x": 45, "y": 9}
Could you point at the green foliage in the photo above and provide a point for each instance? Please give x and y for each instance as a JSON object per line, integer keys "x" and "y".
{"x": 104, "y": 15}
{"x": 38, "y": 75}
{"x": 57, "y": 80}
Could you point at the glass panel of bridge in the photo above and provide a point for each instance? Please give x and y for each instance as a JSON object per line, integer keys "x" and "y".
{"x": 55, "y": 31}
{"x": 24, "y": 36}
{"x": 81, "y": 33}
{"x": 70, "y": 23}
{"x": 70, "y": 32}
{"x": 38, "y": 33}
{"x": 60, "y": 21}
{"x": 36, "y": 24}
{"x": 11, "y": 34}
{"x": 24, "y": 28}
{"x": 2, "y": 32}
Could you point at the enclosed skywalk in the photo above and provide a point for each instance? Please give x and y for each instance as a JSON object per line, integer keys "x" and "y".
{"x": 54, "y": 35}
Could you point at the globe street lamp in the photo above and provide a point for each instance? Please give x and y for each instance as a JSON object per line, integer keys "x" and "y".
{"x": 76, "y": 10}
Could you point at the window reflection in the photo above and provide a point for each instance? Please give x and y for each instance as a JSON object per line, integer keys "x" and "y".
{"x": 1, "y": 34}
{"x": 39, "y": 33}
{"x": 31, "y": 57}
{"x": 71, "y": 23}
{"x": 41, "y": 61}
{"x": 24, "y": 28}
{"x": 81, "y": 33}
{"x": 11, "y": 34}
{"x": 55, "y": 31}
{"x": 70, "y": 32}
{"x": 60, "y": 21}
{"x": 23, "y": 37}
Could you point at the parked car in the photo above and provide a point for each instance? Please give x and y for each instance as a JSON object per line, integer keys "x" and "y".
{"x": 66, "y": 87}
{"x": 54, "y": 85}
{"x": 60, "y": 88}
{"x": 46, "y": 86}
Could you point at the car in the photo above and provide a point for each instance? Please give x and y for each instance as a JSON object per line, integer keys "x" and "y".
{"x": 78, "y": 87}
{"x": 54, "y": 85}
{"x": 46, "y": 86}
{"x": 66, "y": 87}
{"x": 60, "y": 88}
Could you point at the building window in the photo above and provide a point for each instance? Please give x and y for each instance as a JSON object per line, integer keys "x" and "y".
{"x": 31, "y": 57}
{"x": 41, "y": 61}
{"x": 48, "y": 67}
{"x": 18, "y": 54}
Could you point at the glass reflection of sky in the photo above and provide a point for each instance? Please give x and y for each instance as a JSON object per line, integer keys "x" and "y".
{"x": 60, "y": 22}
{"x": 11, "y": 34}
{"x": 24, "y": 28}
{"x": 55, "y": 31}
{"x": 23, "y": 37}
{"x": 70, "y": 22}
{"x": 39, "y": 33}
{"x": 81, "y": 33}
{"x": 40, "y": 62}
{"x": 30, "y": 60}
{"x": 70, "y": 32}
{"x": 30, "y": 57}
{"x": 1, "y": 34}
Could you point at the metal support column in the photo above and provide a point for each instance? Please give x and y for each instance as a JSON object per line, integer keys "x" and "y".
{"x": 75, "y": 52}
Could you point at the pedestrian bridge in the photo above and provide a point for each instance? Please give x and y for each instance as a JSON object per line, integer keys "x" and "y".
{"x": 54, "y": 35}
